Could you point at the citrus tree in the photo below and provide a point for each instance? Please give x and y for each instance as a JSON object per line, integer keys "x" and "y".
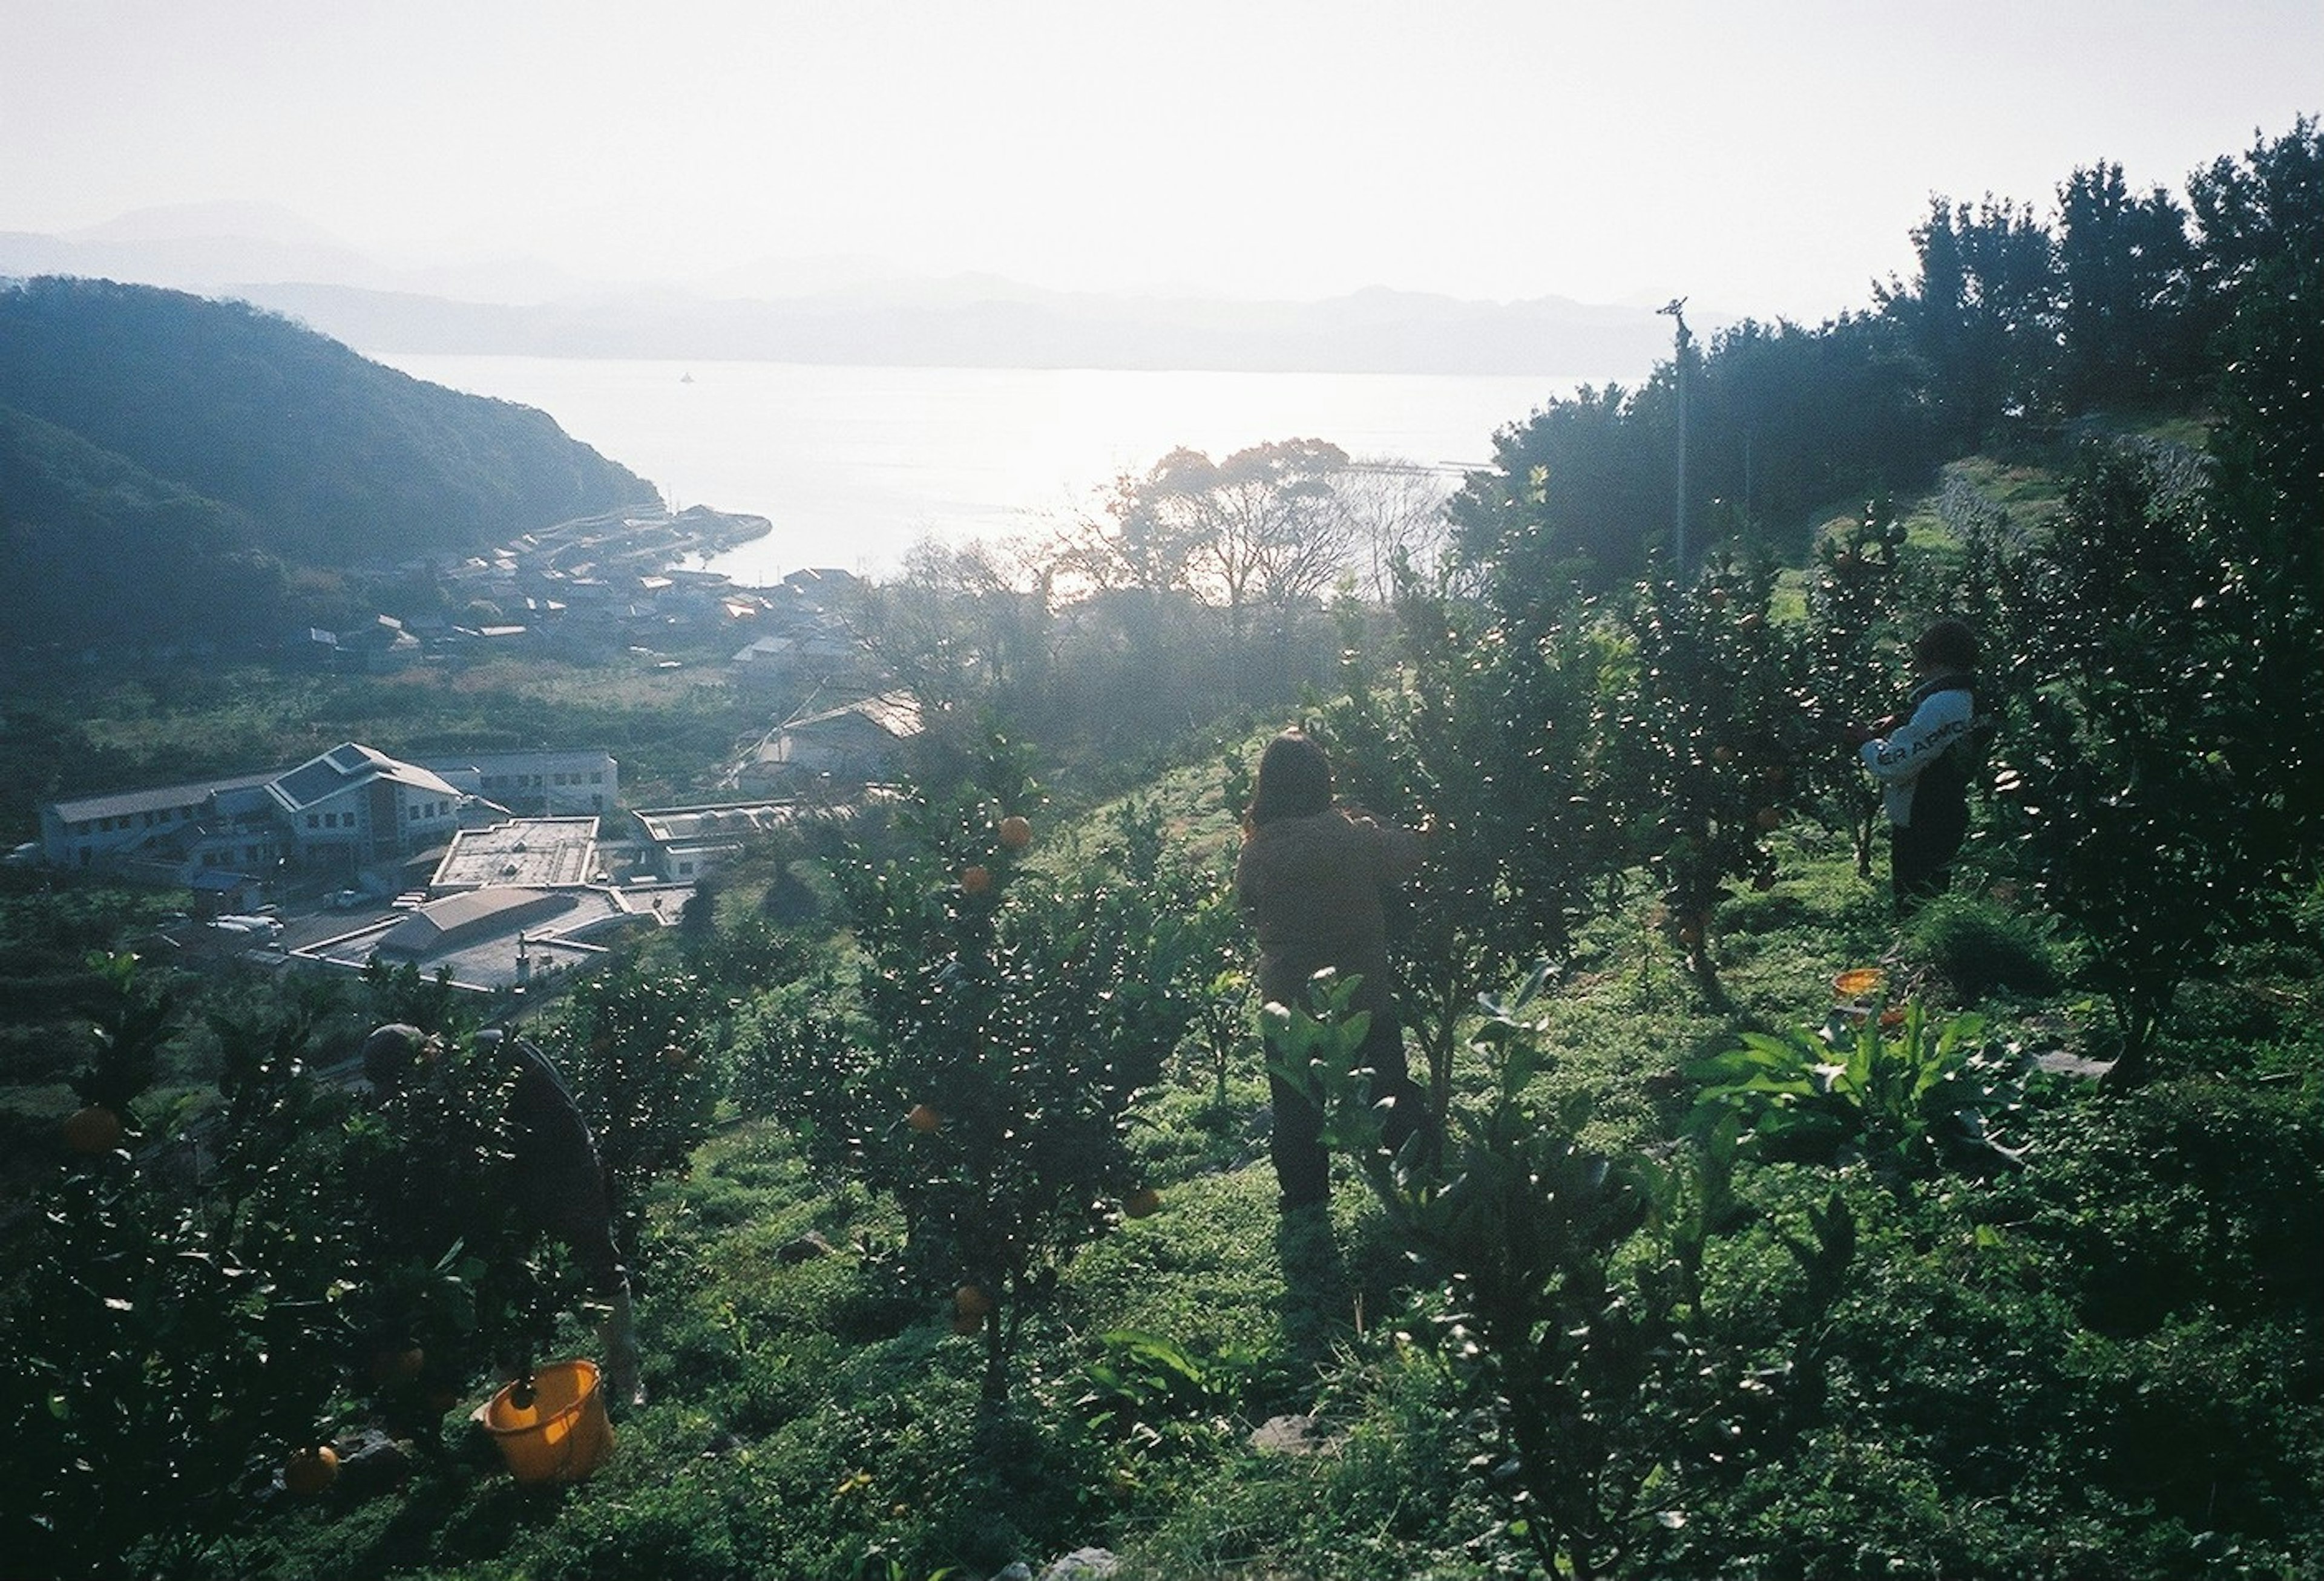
{"x": 639, "y": 1047}
{"x": 1010, "y": 1022}
{"x": 2147, "y": 788}
{"x": 1703, "y": 732}
{"x": 1851, "y": 665}
{"x": 1484, "y": 735}
{"x": 444, "y": 1279}
{"x": 179, "y": 1339}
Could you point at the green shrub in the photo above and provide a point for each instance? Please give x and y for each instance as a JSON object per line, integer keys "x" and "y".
{"x": 1572, "y": 1299}
{"x": 1906, "y": 1104}
{"x": 1980, "y": 947}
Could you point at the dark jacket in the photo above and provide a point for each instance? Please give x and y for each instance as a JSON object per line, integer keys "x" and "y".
{"x": 559, "y": 1181}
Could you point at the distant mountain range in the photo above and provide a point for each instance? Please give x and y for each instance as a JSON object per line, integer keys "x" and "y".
{"x": 276, "y": 260}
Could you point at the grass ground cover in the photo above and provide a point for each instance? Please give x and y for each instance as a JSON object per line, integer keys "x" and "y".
{"x": 816, "y": 1416}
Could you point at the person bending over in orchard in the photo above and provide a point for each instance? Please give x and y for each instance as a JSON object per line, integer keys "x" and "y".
{"x": 1313, "y": 876}
{"x": 1924, "y": 758}
{"x": 558, "y": 1181}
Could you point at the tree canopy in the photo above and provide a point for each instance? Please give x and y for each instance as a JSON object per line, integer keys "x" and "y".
{"x": 2011, "y": 328}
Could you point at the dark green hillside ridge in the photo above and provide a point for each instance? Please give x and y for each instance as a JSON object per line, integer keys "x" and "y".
{"x": 332, "y": 459}
{"x": 89, "y": 538}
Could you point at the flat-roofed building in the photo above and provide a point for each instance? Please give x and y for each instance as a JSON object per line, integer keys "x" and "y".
{"x": 686, "y": 843}
{"x": 538, "y": 853}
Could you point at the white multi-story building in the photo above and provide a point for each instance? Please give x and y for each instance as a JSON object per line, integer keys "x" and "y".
{"x": 354, "y": 806}
{"x": 350, "y": 808}
{"x": 202, "y": 824}
{"x": 549, "y": 783}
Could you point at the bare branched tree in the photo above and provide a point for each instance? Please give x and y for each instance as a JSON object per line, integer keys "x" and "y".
{"x": 1395, "y": 510}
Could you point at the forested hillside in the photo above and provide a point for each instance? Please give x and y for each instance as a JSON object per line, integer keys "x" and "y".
{"x": 163, "y": 459}
{"x": 96, "y": 544}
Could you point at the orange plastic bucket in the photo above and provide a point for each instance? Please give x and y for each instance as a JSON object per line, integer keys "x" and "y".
{"x": 563, "y": 1435}
{"x": 1857, "y": 983}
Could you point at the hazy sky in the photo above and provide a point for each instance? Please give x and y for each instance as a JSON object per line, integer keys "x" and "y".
{"x": 1762, "y": 158}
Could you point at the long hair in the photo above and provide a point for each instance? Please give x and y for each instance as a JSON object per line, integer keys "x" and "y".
{"x": 1295, "y": 780}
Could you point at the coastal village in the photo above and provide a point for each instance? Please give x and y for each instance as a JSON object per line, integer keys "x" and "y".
{"x": 511, "y": 869}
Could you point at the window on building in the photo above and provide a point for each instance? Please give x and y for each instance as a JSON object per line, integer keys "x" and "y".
{"x": 313, "y": 821}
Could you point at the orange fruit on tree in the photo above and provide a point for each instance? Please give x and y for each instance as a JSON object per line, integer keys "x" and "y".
{"x": 93, "y": 1130}
{"x": 1016, "y": 833}
{"x": 310, "y": 1470}
{"x": 966, "y": 1323}
{"x": 922, "y": 1119}
{"x": 975, "y": 878}
{"x": 1142, "y": 1203}
{"x": 1722, "y": 753}
{"x": 970, "y": 1300}
{"x": 1768, "y": 818}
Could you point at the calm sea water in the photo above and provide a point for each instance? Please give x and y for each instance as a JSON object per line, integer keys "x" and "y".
{"x": 853, "y": 465}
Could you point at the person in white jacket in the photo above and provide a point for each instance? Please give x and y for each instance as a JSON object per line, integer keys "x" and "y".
{"x": 1924, "y": 758}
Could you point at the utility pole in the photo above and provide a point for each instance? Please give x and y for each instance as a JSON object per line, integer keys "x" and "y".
{"x": 1676, "y": 308}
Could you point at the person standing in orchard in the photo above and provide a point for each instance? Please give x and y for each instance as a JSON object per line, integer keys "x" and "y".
{"x": 1924, "y": 758}
{"x": 556, "y": 1181}
{"x": 1314, "y": 878}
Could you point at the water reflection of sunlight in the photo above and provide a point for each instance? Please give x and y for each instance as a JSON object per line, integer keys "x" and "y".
{"x": 854, "y": 464}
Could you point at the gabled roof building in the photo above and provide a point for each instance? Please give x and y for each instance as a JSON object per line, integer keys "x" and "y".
{"x": 358, "y": 806}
